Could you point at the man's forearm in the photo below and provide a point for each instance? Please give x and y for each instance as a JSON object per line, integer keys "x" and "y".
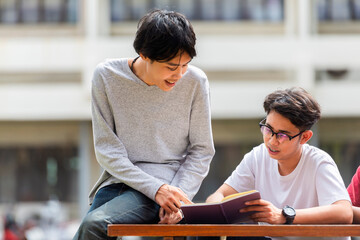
{"x": 215, "y": 197}
{"x": 356, "y": 214}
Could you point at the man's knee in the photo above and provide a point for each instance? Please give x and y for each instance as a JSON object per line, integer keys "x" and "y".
{"x": 94, "y": 221}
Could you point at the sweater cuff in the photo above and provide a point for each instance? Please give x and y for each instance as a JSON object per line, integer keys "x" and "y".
{"x": 151, "y": 192}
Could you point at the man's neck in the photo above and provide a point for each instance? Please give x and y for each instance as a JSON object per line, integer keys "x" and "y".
{"x": 285, "y": 167}
{"x": 137, "y": 67}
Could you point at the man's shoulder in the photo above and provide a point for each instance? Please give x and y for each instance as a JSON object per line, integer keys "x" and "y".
{"x": 111, "y": 64}
{"x": 260, "y": 149}
{"x": 258, "y": 154}
{"x": 196, "y": 74}
{"x": 316, "y": 154}
{"x": 313, "y": 150}
{"x": 112, "y": 68}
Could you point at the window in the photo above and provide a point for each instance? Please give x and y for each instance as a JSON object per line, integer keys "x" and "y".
{"x": 203, "y": 10}
{"x": 207, "y": 16}
{"x": 38, "y": 11}
{"x": 338, "y": 16}
{"x": 35, "y": 174}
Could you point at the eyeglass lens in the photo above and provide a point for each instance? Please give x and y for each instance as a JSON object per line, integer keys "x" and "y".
{"x": 268, "y": 132}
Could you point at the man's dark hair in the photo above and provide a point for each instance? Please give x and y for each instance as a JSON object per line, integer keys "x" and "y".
{"x": 295, "y": 104}
{"x": 162, "y": 34}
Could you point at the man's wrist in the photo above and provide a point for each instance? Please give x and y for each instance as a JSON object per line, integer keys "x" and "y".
{"x": 289, "y": 213}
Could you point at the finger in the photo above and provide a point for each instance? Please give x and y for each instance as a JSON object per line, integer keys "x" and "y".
{"x": 171, "y": 207}
{"x": 177, "y": 203}
{"x": 175, "y": 218}
{"x": 175, "y": 196}
{"x": 167, "y": 209}
{"x": 162, "y": 216}
{"x": 257, "y": 202}
{"x": 183, "y": 193}
{"x": 253, "y": 202}
{"x": 179, "y": 216}
{"x": 255, "y": 208}
{"x": 175, "y": 208}
{"x": 258, "y": 215}
{"x": 186, "y": 200}
{"x": 172, "y": 218}
{"x": 163, "y": 221}
{"x": 161, "y": 213}
{"x": 179, "y": 193}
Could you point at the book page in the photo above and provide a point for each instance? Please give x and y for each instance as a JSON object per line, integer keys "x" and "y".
{"x": 237, "y": 195}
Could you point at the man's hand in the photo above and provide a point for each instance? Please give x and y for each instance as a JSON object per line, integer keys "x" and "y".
{"x": 169, "y": 218}
{"x": 169, "y": 197}
{"x": 265, "y": 212}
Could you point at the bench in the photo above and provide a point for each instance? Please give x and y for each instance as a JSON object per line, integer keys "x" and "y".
{"x": 221, "y": 230}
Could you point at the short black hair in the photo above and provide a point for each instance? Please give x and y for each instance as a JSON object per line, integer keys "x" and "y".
{"x": 162, "y": 34}
{"x": 295, "y": 104}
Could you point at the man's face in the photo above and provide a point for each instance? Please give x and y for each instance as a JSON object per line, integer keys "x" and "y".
{"x": 288, "y": 150}
{"x": 166, "y": 74}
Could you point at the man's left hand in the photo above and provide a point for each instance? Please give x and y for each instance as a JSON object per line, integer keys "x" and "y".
{"x": 169, "y": 218}
{"x": 265, "y": 212}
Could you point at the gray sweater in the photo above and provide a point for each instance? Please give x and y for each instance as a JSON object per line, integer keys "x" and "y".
{"x": 145, "y": 137}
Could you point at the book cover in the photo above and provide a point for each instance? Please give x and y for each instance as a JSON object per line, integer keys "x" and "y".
{"x": 226, "y": 211}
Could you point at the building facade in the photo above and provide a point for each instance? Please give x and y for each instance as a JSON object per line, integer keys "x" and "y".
{"x": 49, "y": 49}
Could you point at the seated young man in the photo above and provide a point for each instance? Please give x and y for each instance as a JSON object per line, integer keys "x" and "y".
{"x": 152, "y": 128}
{"x": 298, "y": 183}
{"x": 354, "y": 192}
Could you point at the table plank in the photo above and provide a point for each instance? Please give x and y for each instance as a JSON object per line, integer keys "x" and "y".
{"x": 332, "y": 230}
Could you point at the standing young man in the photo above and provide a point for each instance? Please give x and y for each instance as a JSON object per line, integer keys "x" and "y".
{"x": 298, "y": 183}
{"x": 152, "y": 128}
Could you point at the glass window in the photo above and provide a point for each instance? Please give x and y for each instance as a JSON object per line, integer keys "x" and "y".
{"x": 338, "y": 10}
{"x": 38, "y": 11}
{"x": 203, "y": 10}
{"x": 30, "y": 174}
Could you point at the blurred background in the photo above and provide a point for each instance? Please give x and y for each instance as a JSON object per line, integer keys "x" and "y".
{"x": 248, "y": 48}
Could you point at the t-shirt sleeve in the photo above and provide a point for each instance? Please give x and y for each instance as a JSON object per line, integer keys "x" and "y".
{"x": 242, "y": 178}
{"x": 354, "y": 189}
{"x": 330, "y": 185}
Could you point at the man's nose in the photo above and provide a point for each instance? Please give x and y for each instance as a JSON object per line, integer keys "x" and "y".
{"x": 273, "y": 140}
{"x": 179, "y": 72}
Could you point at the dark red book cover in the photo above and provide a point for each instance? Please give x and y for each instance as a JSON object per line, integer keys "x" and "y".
{"x": 225, "y": 212}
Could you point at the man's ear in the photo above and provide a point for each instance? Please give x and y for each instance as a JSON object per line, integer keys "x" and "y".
{"x": 306, "y": 136}
{"x": 143, "y": 57}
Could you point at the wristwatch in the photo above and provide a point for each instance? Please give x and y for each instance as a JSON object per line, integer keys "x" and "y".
{"x": 289, "y": 213}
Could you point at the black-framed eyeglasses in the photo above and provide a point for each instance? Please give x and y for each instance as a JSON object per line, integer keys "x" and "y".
{"x": 281, "y": 137}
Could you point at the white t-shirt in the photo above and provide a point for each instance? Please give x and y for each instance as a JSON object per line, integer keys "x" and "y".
{"x": 315, "y": 181}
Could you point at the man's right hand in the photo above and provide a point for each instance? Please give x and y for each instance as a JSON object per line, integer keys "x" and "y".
{"x": 169, "y": 197}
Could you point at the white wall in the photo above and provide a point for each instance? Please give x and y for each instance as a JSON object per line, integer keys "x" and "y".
{"x": 297, "y": 50}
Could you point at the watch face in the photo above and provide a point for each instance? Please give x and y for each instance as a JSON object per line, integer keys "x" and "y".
{"x": 289, "y": 211}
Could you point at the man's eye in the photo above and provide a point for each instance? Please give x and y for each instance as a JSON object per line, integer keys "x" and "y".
{"x": 267, "y": 130}
{"x": 282, "y": 135}
{"x": 172, "y": 69}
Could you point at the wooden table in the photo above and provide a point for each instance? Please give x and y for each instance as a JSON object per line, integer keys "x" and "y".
{"x": 170, "y": 231}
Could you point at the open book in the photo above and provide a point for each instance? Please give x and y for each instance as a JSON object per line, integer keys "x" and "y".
{"x": 226, "y": 211}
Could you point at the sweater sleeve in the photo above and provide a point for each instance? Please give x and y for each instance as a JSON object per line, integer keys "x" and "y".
{"x": 354, "y": 189}
{"x": 109, "y": 150}
{"x": 201, "y": 149}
